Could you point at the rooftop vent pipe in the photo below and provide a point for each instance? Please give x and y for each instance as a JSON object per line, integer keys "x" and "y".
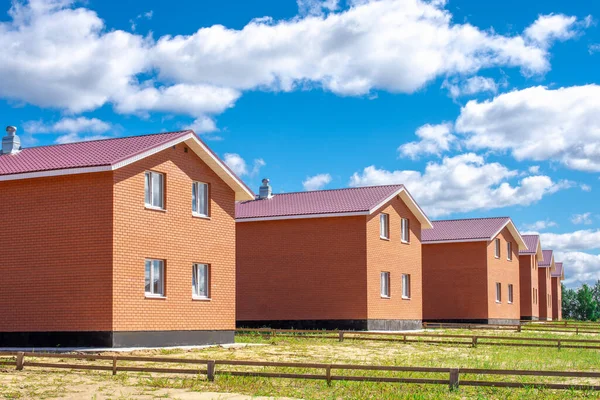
{"x": 11, "y": 143}
{"x": 265, "y": 192}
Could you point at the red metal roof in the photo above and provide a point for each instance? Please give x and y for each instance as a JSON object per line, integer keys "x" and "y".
{"x": 464, "y": 229}
{"x": 547, "y": 261}
{"x": 335, "y": 201}
{"x": 94, "y": 153}
{"x": 532, "y": 244}
{"x": 558, "y": 272}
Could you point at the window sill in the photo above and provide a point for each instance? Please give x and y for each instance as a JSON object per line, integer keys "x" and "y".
{"x": 385, "y": 297}
{"x": 154, "y": 296}
{"x": 147, "y": 207}
{"x": 510, "y": 302}
{"x": 196, "y": 298}
{"x": 384, "y": 238}
{"x": 404, "y": 242}
{"x": 496, "y": 257}
{"x": 405, "y": 298}
{"x": 200, "y": 216}
{"x": 498, "y": 302}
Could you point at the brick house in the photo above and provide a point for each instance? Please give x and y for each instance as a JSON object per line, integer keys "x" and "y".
{"x": 118, "y": 242}
{"x": 471, "y": 271}
{"x": 335, "y": 259}
{"x": 529, "y": 259}
{"x": 547, "y": 267}
{"x": 557, "y": 277}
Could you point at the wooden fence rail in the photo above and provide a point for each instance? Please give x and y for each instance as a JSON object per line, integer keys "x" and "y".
{"x": 209, "y": 368}
{"x": 473, "y": 340}
{"x": 516, "y": 327}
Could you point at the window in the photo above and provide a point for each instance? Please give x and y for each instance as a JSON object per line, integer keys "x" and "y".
{"x": 510, "y": 293}
{"x": 498, "y": 292}
{"x": 405, "y": 230}
{"x": 155, "y": 278}
{"x": 155, "y": 190}
{"x": 497, "y": 241}
{"x": 405, "y": 286}
{"x": 200, "y": 199}
{"x": 384, "y": 226}
{"x": 509, "y": 251}
{"x": 385, "y": 284}
{"x": 200, "y": 281}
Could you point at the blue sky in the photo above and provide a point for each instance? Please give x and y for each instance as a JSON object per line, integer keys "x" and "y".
{"x": 480, "y": 108}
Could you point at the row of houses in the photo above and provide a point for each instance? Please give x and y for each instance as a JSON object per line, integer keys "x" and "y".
{"x": 153, "y": 241}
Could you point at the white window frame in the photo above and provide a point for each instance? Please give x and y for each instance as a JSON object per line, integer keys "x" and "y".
{"x": 149, "y": 188}
{"x": 384, "y": 226}
{"x": 497, "y": 244}
{"x": 510, "y": 293}
{"x": 196, "y": 199}
{"x": 405, "y": 230}
{"x": 385, "y": 290}
{"x": 195, "y": 281}
{"x": 509, "y": 251}
{"x": 406, "y": 286}
{"x": 152, "y": 263}
{"x": 498, "y": 292}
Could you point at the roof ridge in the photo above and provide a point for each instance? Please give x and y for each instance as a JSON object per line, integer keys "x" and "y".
{"x": 107, "y": 139}
{"x": 468, "y": 219}
{"x": 337, "y": 189}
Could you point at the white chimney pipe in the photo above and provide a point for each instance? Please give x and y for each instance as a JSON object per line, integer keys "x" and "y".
{"x": 11, "y": 143}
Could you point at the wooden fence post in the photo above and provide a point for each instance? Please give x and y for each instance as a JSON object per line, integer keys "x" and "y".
{"x": 519, "y": 328}
{"x": 454, "y": 378}
{"x": 20, "y": 357}
{"x": 341, "y": 336}
{"x": 559, "y": 345}
{"x": 328, "y": 375}
{"x": 577, "y": 331}
{"x": 474, "y": 341}
{"x": 210, "y": 371}
{"x": 114, "y": 368}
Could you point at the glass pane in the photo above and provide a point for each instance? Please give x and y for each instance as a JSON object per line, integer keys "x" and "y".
{"x": 202, "y": 280}
{"x": 194, "y": 280}
{"x": 157, "y": 190}
{"x": 158, "y": 277}
{"x": 147, "y": 276}
{"x": 203, "y": 197}
{"x": 147, "y": 188}
{"x": 194, "y": 197}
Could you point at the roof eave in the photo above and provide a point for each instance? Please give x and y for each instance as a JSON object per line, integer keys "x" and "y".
{"x": 410, "y": 203}
{"x": 514, "y": 232}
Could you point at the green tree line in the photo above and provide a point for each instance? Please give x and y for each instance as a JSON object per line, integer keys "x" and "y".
{"x": 582, "y": 304}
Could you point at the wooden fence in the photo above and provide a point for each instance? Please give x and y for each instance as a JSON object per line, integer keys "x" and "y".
{"x": 430, "y": 338}
{"x": 516, "y": 327}
{"x": 324, "y": 371}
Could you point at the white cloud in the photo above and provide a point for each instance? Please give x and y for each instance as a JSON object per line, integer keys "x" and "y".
{"x": 147, "y": 15}
{"x": 572, "y": 241}
{"x": 539, "y": 225}
{"x": 579, "y": 267}
{"x": 71, "y": 129}
{"x": 398, "y": 46}
{"x": 435, "y": 139}
{"x": 316, "y": 182}
{"x": 594, "y": 48}
{"x": 582, "y": 219}
{"x": 239, "y": 166}
{"x": 64, "y": 57}
{"x": 585, "y": 188}
{"x": 463, "y": 183}
{"x": 316, "y": 7}
{"x": 551, "y": 27}
{"x": 470, "y": 86}
{"x": 203, "y": 125}
{"x": 534, "y": 169}
{"x": 538, "y": 124}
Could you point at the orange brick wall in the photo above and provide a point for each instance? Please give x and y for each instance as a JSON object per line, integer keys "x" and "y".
{"x": 56, "y": 254}
{"x": 528, "y": 282}
{"x": 544, "y": 282}
{"x": 177, "y": 237}
{"x": 455, "y": 281}
{"x": 397, "y": 258}
{"x": 506, "y": 272}
{"x": 302, "y": 269}
{"x": 556, "y": 299}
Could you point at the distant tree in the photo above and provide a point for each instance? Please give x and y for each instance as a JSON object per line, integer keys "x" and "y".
{"x": 596, "y": 292}
{"x": 587, "y": 308}
{"x": 569, "y": 303}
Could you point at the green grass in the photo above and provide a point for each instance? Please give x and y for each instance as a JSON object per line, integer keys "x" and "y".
{"x": 330, "y": 351}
